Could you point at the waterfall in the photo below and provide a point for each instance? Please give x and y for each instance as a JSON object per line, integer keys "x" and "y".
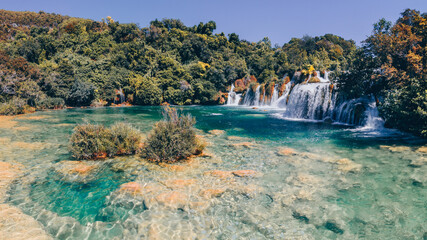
{"x": 275, "y": 96}
{"x": 121, "y": 99}
{"x": 257, "y": 94}
{"x": 309, "y": 101}
{"x": 233, "y": 97}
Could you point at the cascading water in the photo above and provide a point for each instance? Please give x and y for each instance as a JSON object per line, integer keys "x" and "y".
{"x": 309, "y": 101}
{"x": 233, "y": 97}
{"x": 257, "y": 95}
{"x": 314, "y": 101}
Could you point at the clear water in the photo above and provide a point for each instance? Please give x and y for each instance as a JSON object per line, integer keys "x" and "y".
{"x": 378, "y": 194}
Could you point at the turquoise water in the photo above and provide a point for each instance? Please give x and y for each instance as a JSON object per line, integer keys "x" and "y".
{"x": 377, "y": 193}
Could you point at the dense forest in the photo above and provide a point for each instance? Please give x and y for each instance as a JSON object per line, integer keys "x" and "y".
{"x": 51, "y": 61}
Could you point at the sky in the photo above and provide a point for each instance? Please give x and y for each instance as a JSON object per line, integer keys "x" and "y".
{"x": 252, "y": 20}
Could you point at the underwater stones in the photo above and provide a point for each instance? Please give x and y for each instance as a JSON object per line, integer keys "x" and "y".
{"x": 396, "y": 148}
{"x": 418, "y": 162}
{"x": 422, "y": 149}
{"x": 76, "y": 168}
{"x": 22, "y": 128}
{"x": 285, "y": 151}
{"x": 247, "y": 145}
{"x": 211, "y": 193}
{"x": 7, "y": 122}
{"x": 173, "y": 167}
{"x": 346, "y": 165}
{"x": 219, "y": 174}
{"x": 14, "y": 224}
{"x": 179, "y": 183}
{"x": 172, "y": 199}
{"x": 246, "y": 173}
{"x": 8, "y": 173}
{"x": 76, "y": 171}
{"x": 399, "y": 149}
{"x": 4, "y": 140}
{"x": 303, "y": 179}
{"x": 216, "y": 132}
{"x": 235, "y": 138}
{"x": 133, "y": 188}
{"x": 29, "y": 146}
{"x": 40, "y": 117}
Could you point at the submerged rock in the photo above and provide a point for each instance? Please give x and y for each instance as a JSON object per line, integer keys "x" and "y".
{"x": 219, "y": 174}
{"x": 246, "y": 173}
{"x": 216, "y": 132}
{"x": 172, "y": 199}
{"x": 8, "y": 173}
{"x": 244, "y": 144}
{"x": 14, "y": 224}
{"x": 418, "y": 162}
{"x": 236, "y": 138}
{"x": 76, "y": 171}
{"x": 422, "y": 149}
{"x": 346, "y": 165}
{"x": 285, "y": 151}
{"x": 395, "y": 148}
{"x": 179, "y": 183}
{"x": 211, "y": 193}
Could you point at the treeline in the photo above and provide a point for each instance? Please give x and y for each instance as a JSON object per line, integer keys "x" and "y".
{"x": 80, "y": 61}
{"x": 392, "y": 66}
{"x": 49, "y": 61}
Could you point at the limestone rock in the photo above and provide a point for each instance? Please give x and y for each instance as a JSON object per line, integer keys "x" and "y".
{"x": 346, "y": 165}
{"x": 246, "y": 173}
{"x": 219, "y": 174}
{"x": 8, "y": 173}
{"x": 179, "y": 183}
{"x": 286, "y": 151}
{"x": 422, "y": 149}
{"x": 399, "y": 149}
{"x": 172, "y": 199}
{"x": 211, "y": 193}
{"x": 14, "y": 224}
{"x": 244, "y": 144}
{"x": 216, "y": 132}
{"x": 418, "y": 162}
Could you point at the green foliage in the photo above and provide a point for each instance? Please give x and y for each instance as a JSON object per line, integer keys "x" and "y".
{"x": 92, "y": 141}
{"x": 392, "y": 66}
{"x": 126, "y": 139}
{"x": 172, "y": 139}
{"x": 50, "y": 103}
{"x": 176, "y": 63}
{"x": 81, "y": 94}
{"x": 406, "y": 108}
{"x": 14, "y": 107}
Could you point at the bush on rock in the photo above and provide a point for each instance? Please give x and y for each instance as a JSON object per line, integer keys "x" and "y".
{"x": 93, "y": 141}
{"x": 172, "y": 139}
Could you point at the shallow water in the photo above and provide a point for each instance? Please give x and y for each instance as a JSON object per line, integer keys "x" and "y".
{"x": 311, "y": 193}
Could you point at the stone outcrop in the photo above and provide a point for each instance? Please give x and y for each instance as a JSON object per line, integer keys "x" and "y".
{"x": 8, "y": 173}
{"x": 16, "y": 225}
{"x": 285, "y": 151}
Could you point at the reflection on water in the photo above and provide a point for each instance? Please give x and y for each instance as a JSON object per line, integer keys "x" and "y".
{"x": 308, "y": 181}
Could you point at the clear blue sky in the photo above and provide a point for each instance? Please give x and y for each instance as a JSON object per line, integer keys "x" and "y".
{"x": 251, "y": 19}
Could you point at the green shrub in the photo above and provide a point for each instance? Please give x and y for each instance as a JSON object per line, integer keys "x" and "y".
{"x": 125, "y": 138}
{"x": 172, "y": 139}
{"x": 15, "y": 106}
{"x": 51, "y": 103}
{"x": 81, "y": 94}
{"x": 92, "y": 141}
